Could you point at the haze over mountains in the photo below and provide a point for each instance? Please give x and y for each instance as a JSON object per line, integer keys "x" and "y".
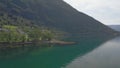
{"x": 115, "y": 27}
{"x": 50, "y": 13}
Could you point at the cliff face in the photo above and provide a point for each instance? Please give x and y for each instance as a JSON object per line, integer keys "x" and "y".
{"x": 53, "y": 14}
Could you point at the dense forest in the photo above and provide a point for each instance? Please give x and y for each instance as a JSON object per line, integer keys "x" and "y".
{"x": 11, "y": 34}
{"x": 8, "y": 19}
{"x": 53, "y": 14}
{"x": 21, "y": 20}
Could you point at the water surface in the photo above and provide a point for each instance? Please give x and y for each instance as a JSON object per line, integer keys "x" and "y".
{"x": 106, "y": 55}
{"x": 87, "y": 53}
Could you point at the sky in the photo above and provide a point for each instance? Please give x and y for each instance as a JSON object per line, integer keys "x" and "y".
{"x": 105, "y": 11}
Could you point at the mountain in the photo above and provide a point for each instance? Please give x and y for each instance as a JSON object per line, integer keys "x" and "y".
{"x": 115, "y": 27}
{"x": 50, "y": 13}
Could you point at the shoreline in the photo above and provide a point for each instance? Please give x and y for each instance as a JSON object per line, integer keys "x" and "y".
{"x": 59, "y": 42}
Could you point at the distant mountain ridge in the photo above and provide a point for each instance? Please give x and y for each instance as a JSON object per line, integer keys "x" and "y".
{"x": 50, "y": 13}
{"x": 115, "y": 27}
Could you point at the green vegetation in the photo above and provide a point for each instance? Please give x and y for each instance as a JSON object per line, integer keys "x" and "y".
{"x": 27, "y": 15}
{"x": 50, "y": 13}
{"x": 10, "y": 34}
{"x": 8, "y": 19}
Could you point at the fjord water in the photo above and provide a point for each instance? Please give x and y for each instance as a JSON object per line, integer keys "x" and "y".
{"x": 87, "y": 53}
{"x": 106, "y": 55}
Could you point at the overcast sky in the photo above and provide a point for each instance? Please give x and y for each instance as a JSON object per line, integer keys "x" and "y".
{"x": 106, "y": 11}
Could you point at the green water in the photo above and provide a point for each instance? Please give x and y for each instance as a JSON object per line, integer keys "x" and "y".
{"x": 87, "y": 53}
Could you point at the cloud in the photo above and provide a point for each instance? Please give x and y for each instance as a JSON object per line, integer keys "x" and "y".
{"x": 106, "y": 11}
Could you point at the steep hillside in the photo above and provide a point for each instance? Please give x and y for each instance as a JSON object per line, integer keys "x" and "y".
{"x": 53, "y": 14}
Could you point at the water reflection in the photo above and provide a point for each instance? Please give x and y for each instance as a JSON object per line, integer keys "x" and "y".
{"x": 47, "y": 56}
{"x": 105, "y": 56}
{"x": 11, "y": 51}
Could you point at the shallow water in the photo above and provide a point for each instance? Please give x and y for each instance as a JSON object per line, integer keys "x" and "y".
{"x": 87, "y": 53}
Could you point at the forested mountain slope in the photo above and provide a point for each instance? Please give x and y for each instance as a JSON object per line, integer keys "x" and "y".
{"x": 50, "y": 13}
